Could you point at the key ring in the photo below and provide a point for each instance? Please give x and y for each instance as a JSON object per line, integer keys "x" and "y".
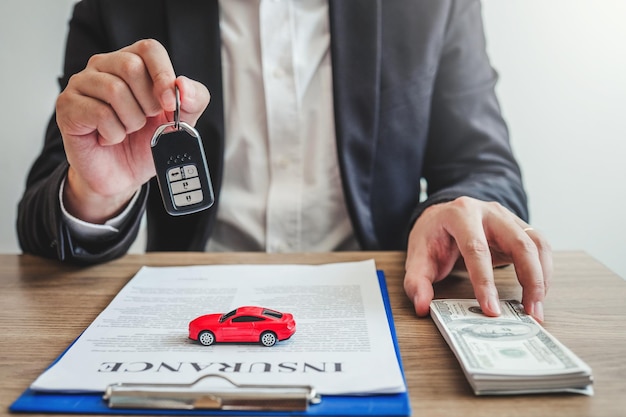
{"x": 176, "y": 124}
{"x": 177, "y": 111}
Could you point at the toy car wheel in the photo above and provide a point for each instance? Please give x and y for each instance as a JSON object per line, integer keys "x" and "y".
{"x": 268, "y": 339}
{"x": 206, "y": 338}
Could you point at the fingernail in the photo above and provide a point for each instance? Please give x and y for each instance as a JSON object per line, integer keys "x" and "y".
{"x": 420, "y": 310}
{"x": 537, "y": 311}
{"x": 494, "y": 305}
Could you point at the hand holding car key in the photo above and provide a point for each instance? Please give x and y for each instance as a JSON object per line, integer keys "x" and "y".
{"x": 181, "y": 168}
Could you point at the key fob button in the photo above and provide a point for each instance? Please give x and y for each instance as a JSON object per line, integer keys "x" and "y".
{"x": 187, "y": 199}
{"x": 190, "y": 171}
{"x": 185, "y": 185}
{"x": 174, "y": 174}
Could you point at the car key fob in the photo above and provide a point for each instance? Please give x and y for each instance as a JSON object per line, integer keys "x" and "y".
{"x": 181, "y": 168}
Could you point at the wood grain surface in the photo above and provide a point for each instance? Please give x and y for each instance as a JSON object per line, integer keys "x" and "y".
{"x": 45, "y": 305}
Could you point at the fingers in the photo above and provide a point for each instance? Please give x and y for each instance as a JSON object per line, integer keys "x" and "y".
{"x": 431, "y": 255}
{"x": 513, "y": 241}
{"x": 104, "y": 102}
{"x": 465, "y": 225}
{"x": 115, "y": 93}
{"x": 481, "y": 235}
{"x": 419, "y": 290}
{"x": 118, "y": 91}
{"x": 421, "y": 272}
{"x": 149, "y": 58}
{"x": 534, "y": 272}
{"x": 80, "y": 116}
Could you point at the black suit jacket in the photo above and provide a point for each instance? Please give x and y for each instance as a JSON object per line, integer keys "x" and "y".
{"x": 413, "y": 97}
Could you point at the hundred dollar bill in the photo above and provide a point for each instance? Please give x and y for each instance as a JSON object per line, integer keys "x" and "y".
{"x": 509, "y": 354}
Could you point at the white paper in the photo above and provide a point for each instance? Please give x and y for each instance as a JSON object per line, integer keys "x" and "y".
{"x": 342, "y": 343}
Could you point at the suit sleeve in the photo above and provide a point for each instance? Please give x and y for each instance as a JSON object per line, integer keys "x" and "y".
{"x": 468, "y": 152}
{"x": 40, "y": 223}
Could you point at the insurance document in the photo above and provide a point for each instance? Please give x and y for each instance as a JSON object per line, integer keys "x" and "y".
{"x": 342, "y": 343}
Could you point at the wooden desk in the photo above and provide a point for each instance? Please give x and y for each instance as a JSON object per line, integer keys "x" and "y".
{"x": 44, "y": 306}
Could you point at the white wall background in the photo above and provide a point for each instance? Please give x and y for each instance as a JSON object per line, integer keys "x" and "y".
{"x": 562, "y": 66}
{"x": 563, "y": 92}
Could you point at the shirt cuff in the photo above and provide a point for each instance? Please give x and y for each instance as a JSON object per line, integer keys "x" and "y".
{"x": 92, "y": 231}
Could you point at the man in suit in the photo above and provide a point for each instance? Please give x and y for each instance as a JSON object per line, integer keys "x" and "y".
{"x": 324, "y": 117}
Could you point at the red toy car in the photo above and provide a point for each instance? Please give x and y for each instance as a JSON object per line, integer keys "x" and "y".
{"x": 244, "y": 324}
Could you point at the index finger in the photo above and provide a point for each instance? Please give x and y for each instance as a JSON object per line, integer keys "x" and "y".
{"x": 160, "y": 69}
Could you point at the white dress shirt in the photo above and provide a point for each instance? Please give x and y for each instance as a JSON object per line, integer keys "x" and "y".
{"x": 281, "y": 189}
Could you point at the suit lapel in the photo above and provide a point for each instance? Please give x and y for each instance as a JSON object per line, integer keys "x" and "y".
{"x": 195, "y": 50}
{"x": 356, "y": 59}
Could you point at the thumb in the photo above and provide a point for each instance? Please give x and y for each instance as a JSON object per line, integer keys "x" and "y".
{"x": 422, "y": 271}
{"x": 420, "y": 291}
{"x": 194, "y": 99}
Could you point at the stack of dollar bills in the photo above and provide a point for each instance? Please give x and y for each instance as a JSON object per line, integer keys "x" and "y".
{"x": 509, "y": 354}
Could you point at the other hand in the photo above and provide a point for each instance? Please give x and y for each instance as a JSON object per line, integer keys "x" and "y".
{"x": 478, "y": 236}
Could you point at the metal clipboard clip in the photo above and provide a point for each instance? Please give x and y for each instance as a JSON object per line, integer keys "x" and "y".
{"x": 229, "y": 397}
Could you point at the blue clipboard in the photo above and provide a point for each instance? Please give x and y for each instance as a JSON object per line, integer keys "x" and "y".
{"x": 331, "y": 405}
